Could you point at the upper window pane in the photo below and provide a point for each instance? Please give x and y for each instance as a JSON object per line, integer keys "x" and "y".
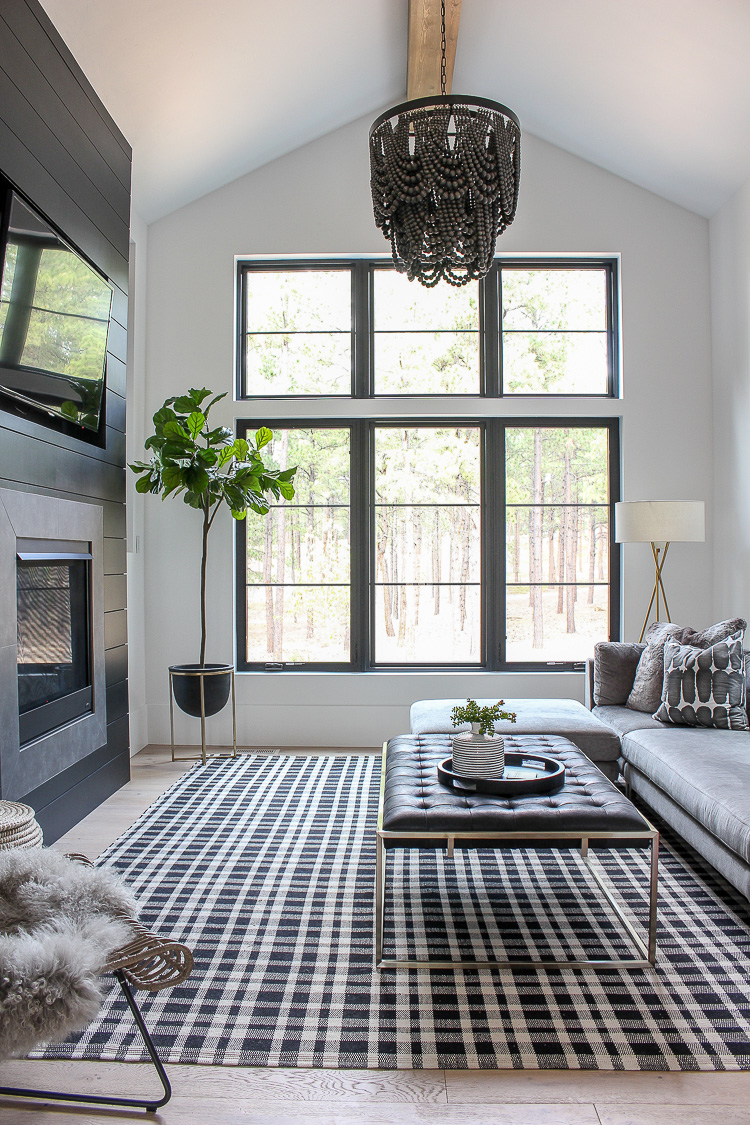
{"x": 426, "y": 341}
{"x": 298, "y": 332}
{"x": 427, "y": 465}
{"x": 555, "y": 331}
{"x": 569, "y": 465}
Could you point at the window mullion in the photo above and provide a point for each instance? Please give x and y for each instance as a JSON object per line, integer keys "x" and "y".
{"x": 360, "y": 547}
{"x": 362, "y": 329}
{"x": 494, "y": 539}
{"x": 490, "y": 335}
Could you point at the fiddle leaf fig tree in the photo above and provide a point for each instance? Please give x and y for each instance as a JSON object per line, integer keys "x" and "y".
{"x": 209, "y": 467}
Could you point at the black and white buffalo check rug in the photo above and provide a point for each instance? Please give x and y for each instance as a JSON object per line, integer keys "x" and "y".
{"x": 265, "y": 867}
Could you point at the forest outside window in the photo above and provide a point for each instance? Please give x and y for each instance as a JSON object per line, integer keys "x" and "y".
{"x": 361, "y": 329}
{"x": 415, "y": 544}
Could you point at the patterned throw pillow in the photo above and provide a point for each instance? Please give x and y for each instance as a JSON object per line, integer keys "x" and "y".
{"x": 704, "y": 687}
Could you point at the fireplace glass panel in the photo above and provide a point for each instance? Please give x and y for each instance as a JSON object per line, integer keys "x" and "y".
{"x": 54, "y": 666}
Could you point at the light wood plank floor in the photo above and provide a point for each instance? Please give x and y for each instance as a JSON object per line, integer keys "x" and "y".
{"x": 253, "y": 1096}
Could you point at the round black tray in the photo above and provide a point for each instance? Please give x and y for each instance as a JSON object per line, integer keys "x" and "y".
{"x": 524, "y": 773}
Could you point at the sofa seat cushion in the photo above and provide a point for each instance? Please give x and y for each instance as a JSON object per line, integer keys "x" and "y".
{"x": 706, "y": 772}
{"x": 564, "y": 717}
{"x": 623, "y": 719}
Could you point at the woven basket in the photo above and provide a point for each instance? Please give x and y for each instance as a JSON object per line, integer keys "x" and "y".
{"x": 18, "y": 827}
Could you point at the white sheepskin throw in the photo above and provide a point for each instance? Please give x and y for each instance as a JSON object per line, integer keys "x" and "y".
{"x": 59, "y": 923}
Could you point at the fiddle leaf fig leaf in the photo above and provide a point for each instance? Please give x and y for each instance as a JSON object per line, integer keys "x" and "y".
{"x": 184, "y": 404}
{"x": 241, "y": 448}
{"x": 173, "y": 429}
{"x": 220, "y": 436}
{"x": 164, "y": 414}
{"x": 214, "y": 400}
{"x": 195, "y": 423}
{"x": 172, "y": 477}
{"x": 196, "y": 479}
{"x": 286, "y": 490}
{"x": 263, "y": 436}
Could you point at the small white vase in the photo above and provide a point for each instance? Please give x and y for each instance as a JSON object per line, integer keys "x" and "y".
{"x": 478, "y": 755}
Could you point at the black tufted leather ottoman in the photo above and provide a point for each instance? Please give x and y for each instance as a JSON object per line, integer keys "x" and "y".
{"x": 417, "y": 811}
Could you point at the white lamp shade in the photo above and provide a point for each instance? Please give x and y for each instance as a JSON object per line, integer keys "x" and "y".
{"x": 660, "y": 521}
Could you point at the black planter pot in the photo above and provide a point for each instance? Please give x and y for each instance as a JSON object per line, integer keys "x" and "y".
{"x": 186, "y": 686}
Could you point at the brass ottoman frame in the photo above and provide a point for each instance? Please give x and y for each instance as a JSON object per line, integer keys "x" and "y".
{"x": 646, "y": 950}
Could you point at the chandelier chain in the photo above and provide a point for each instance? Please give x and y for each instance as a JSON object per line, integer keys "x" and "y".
{"x": 442, "y": 47}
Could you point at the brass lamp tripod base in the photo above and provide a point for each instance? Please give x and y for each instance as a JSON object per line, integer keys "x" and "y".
{"x": 658, "y": 587}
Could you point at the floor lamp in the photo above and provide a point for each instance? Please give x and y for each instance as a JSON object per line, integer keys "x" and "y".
{"x": 659, "y": 522}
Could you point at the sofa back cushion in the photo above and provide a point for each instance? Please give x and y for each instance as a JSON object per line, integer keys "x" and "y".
{"x": 615, "y": 663}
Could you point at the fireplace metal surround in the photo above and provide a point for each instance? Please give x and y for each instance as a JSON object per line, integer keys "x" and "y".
{"x": 46, "y": 522}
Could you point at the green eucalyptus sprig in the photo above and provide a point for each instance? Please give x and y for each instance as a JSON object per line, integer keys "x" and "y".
{"x": 471, "y": 712}
{"x": 210, "y": 467}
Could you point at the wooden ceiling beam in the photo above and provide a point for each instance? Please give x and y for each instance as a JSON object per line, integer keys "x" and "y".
{"x": 423, "y": 70}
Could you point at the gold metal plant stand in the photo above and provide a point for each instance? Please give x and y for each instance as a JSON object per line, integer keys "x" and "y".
{"x": 202, "y": 673}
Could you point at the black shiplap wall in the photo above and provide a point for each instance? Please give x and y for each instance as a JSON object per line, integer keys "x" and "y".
{"x": 59, "y": 145}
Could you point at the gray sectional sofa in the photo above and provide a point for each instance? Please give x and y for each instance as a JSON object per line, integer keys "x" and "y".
{"x": 696, "y": 778}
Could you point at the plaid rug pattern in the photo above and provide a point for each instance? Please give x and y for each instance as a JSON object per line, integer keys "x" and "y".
{"x": 265, "y": 867}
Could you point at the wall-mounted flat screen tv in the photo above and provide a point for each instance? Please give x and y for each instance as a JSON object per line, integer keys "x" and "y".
{"x": 54, "y": 322}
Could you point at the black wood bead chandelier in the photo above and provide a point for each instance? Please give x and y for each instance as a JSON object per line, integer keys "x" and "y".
{"x": 444, "y": 173}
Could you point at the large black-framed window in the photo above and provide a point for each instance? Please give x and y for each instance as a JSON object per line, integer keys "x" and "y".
{"x": 413, "y": 543}
{"x": 312, "y": 329}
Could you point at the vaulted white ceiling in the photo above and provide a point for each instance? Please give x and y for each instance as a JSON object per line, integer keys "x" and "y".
{"x": 657, "y": 91}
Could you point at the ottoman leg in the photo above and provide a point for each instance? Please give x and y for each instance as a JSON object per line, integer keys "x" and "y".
{"x": 379, "y": 897}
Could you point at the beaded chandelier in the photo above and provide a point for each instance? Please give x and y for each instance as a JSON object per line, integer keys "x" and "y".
{"x": 444, "y": 173}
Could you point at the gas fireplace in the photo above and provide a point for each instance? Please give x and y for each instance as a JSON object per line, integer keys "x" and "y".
{"x": 52, "y": 674}
{"x": 54, "y": 639}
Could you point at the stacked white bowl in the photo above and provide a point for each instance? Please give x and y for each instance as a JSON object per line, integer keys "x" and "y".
{"x": 478, "y": 755}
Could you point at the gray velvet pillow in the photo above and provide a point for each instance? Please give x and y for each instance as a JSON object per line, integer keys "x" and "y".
{"x": 715, "y": 633}
{"x": 615, "y": 663}
{"x": 649, "y": 675}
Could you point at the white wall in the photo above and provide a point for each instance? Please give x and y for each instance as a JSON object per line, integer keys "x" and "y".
{"x": 730, "y": 305}
{"x": 136, "y": 417}
{"x": 317, "y": 201}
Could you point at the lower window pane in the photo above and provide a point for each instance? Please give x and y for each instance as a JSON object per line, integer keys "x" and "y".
{"x": 426, "y": 363}
{"x": 298, "y": 623}
{"x": 315, "y": 544}
{"x": 427, "y": 624}
{"x": 299, "y": 363}
{"x": 560, "y": 623}
{"x": 556, "y": 363}
{"x": 557, "y": 544}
